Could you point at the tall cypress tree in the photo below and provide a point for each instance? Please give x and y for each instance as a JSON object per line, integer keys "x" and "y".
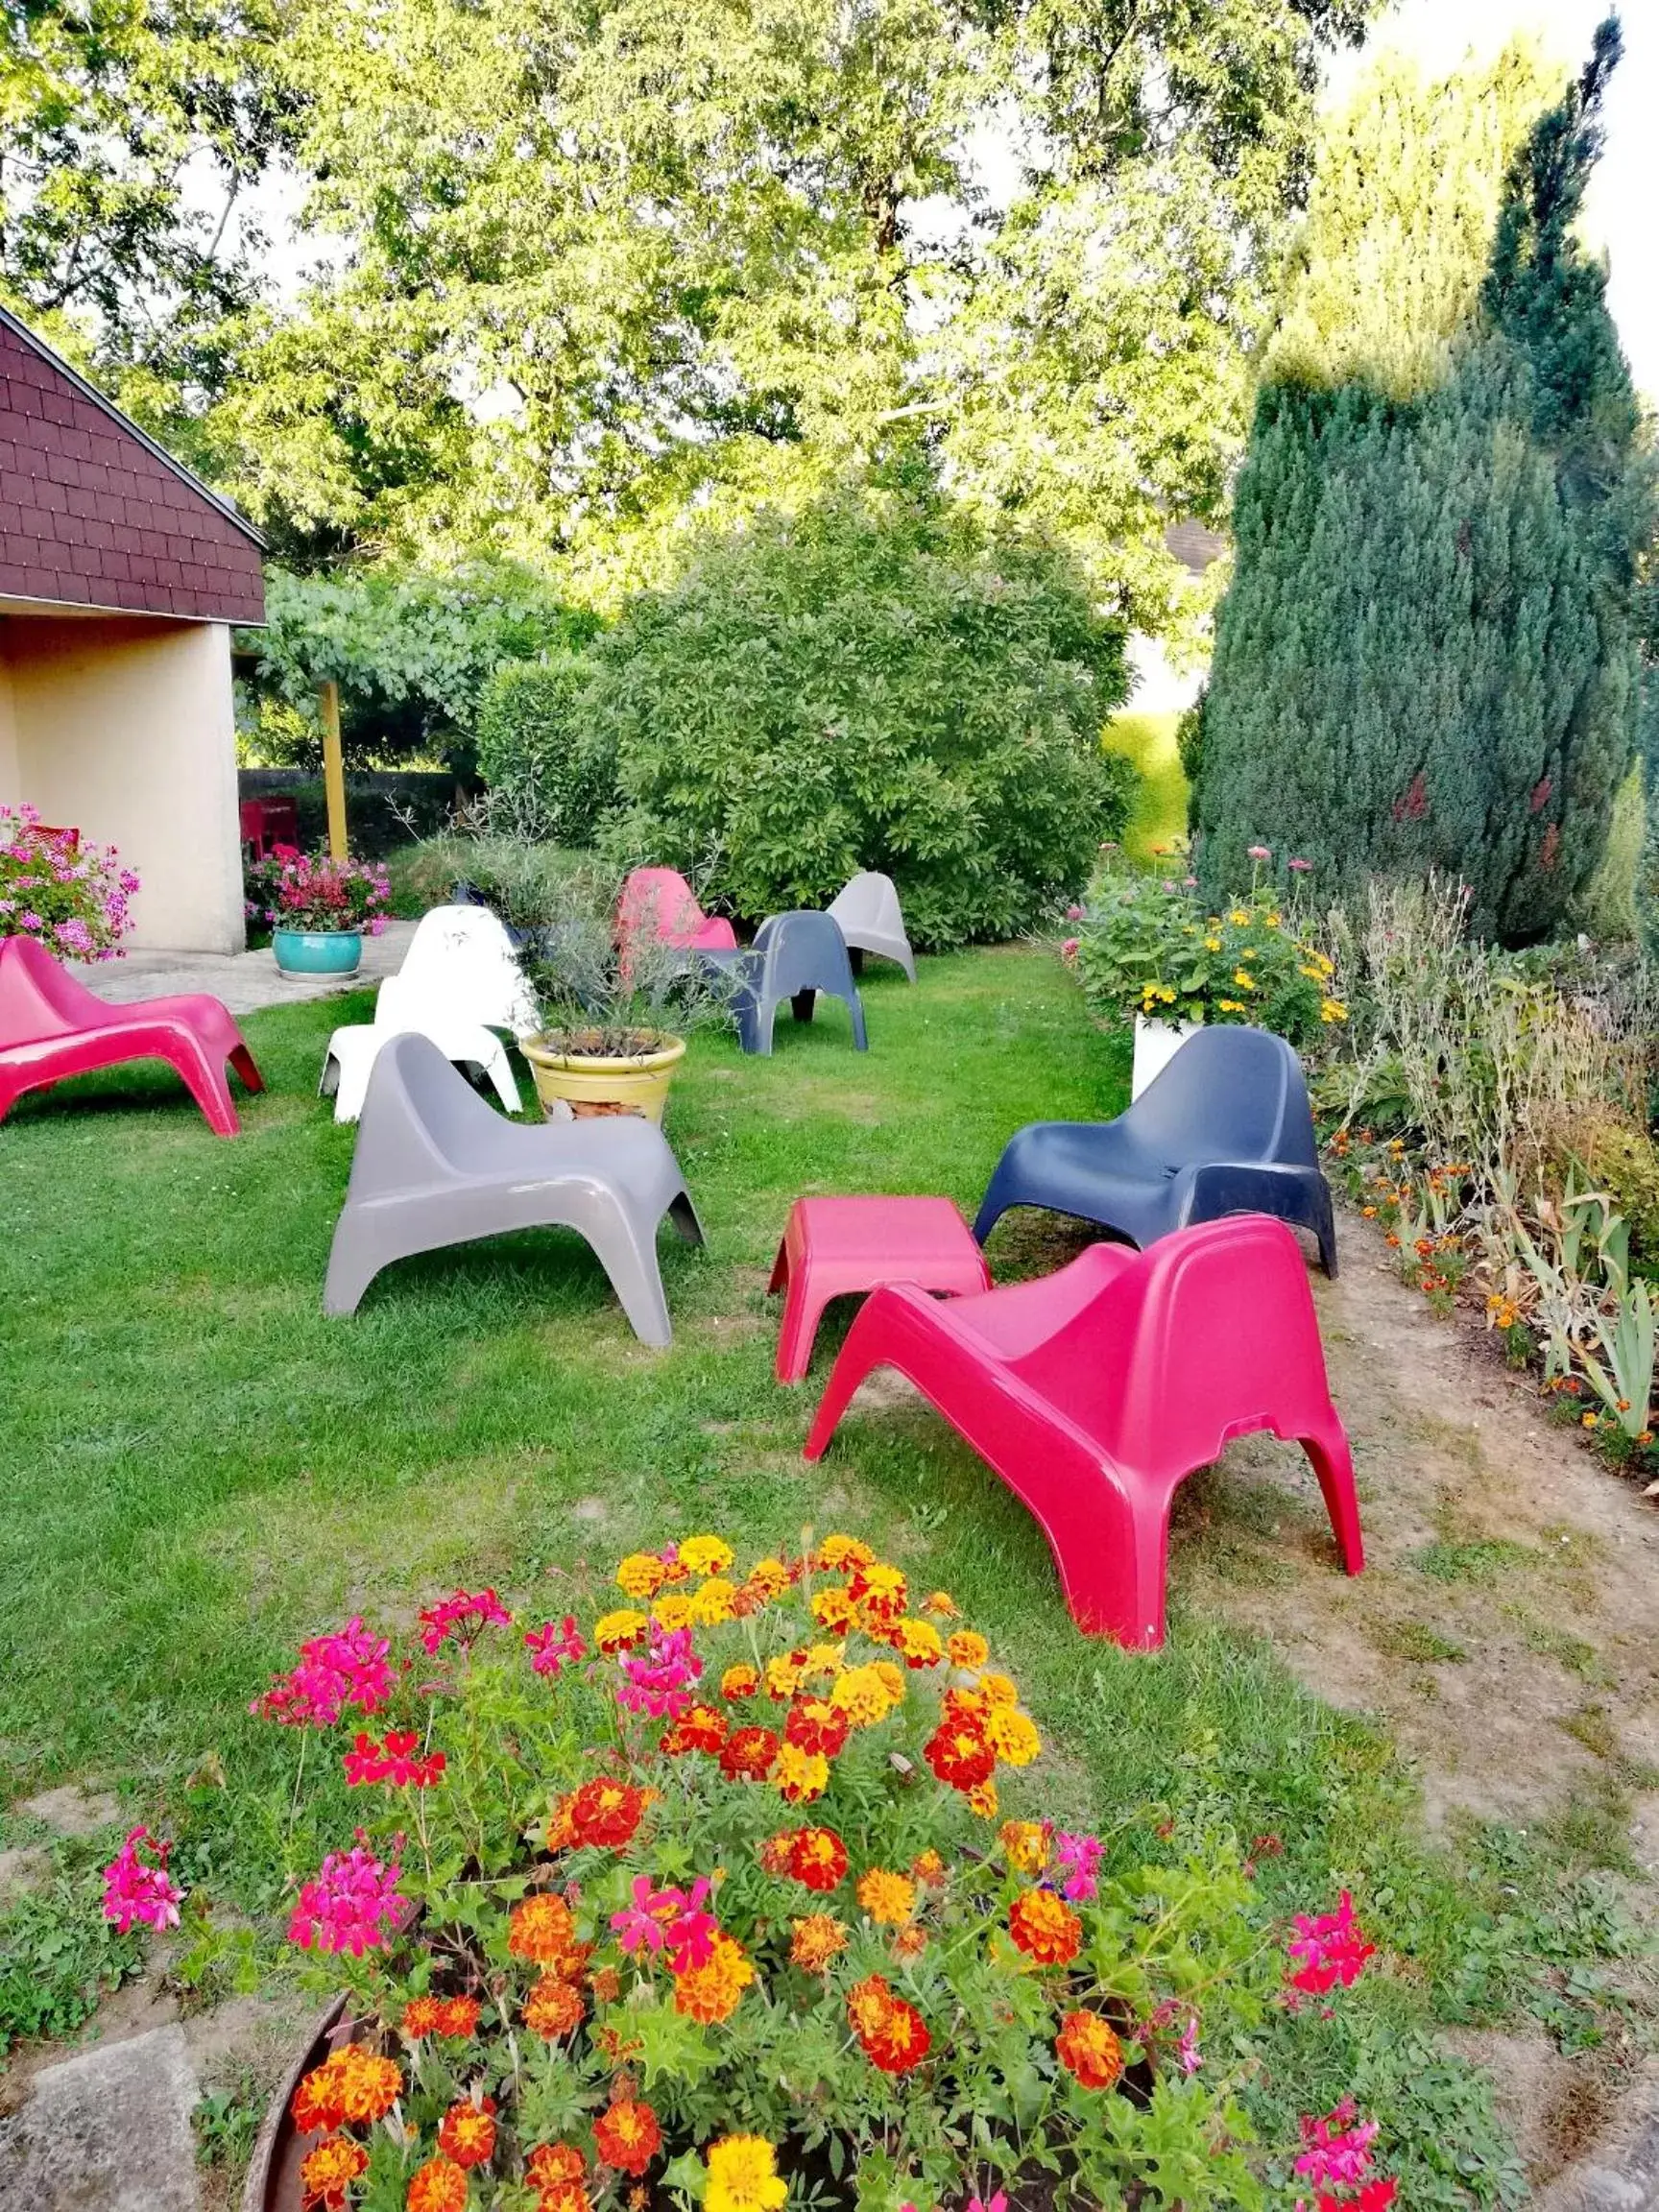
{"x": 1429, "y": 653}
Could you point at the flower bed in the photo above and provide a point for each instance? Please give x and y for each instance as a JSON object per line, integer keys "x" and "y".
{"x": 74, "y": 899}
{"x": 714, "y": 1900}
{"x": 309, "y": 892}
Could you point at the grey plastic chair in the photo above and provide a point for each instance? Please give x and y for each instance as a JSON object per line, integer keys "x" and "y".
{"x": 794, "y": 957}
{"x": 435, "y": 1164}
{"x": 871, "y": 919}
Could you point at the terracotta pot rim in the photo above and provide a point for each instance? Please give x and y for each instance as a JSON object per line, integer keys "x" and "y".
{"x": 256, "y": 2188}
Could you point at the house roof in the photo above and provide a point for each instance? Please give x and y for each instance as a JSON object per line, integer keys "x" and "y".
{"x": 95, "y": 515}
{"x": 1194, "y": 545}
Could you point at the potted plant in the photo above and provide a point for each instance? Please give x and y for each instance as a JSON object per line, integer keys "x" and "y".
{"x": 71, "y": 897}
{"x": 1147, "y": 948}
{"x": 702, "y": 1895}
{"x": 318, "y": 909}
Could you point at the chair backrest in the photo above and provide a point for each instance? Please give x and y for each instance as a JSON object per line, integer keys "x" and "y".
{"x": 659, "y": 903}
{"x": 37, "y": 998}
{"x": 1229, "y": 1093}
{"x": 1208, "y": 1333}
{"x": 869, "y": 900}
{"x": 802, "y": 951}
{"x": 417, "y": 1116}
{"x": 465, "y": 955}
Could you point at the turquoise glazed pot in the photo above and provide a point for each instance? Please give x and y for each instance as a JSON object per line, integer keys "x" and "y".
{"x": 317, "y": 951}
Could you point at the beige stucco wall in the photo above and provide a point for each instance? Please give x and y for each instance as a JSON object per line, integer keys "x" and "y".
{"x": 122, "y": 727}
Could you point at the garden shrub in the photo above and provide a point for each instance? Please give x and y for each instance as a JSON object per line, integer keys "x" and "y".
{"x": 537, "y": 749}
{"x": 1429, "y": 654}
{"x": 870, "y": 685}
{"x": 410, "y": 649}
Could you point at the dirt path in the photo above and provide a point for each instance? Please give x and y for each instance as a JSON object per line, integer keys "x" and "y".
{"x": 1505, "y": 1629}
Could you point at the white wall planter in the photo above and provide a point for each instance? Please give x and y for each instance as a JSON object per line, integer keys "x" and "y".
{"x": 1156, "y": 1044}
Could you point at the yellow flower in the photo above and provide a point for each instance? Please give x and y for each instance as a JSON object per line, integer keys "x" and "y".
{"x": 740, "y": 1681}
{"x": 1332, "y": 1010}
{"x": 1239, "y": 917}
{"x": 919, "y": 1643}
{"x": 834, "y": 1610}
{"x": 838, "y": 1551}
{"x": 784, "y": 1675}
{"x": 1012, "y": 1735}
{"x": 1272, "y": 921}
{"x": 968, "y": 1648}
{"x": 943, "y": 1603}
{"x": 1243, "y": 979}
{"x": 863, "y": 1696}
{"x": 800, "y": 1775}
{"x": 890, "y": 1679}
{"x": 712, "y": 1604}
{"x": 983, "y": 1800}
{"x": 997, "y": 1690}
{"x": 671, "y": 1611}
{"x": 770, "y": 1577}
{"x": 1026, "y": 1844}
{"x": 1167, "y": 993}
{"x": 817, "y": 1940}
{"x": 1231, "y": 1005}
{"x": 823, "y": 1659}
{"x": 743, "y": 2175}
{"x": 619, "y": 1630}
{"x": 1212, "y": 943}
{"x": 706, "y": 1555}
{"x": 641, "y": 1574}
{"x": 889, "y": 1899}
{"x": 1312, "y": 973}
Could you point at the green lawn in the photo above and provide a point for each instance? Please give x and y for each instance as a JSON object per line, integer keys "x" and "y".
{"x": 1159, "y": 822}
{"x": 200, "y": 1469}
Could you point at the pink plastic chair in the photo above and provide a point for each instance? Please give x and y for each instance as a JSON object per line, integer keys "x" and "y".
{"x": 52, "y": 1027}
{"x": 836, "y": 1247}
{"x": 658, "y": 902}
{"x": 1095, "y": 1391}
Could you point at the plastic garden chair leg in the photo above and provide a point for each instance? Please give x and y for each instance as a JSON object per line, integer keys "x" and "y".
{"x": 1332, "y": 1464}
{"x": 205, "y": 1078}
{"x": 242, "y": 1060}
{"x": 855, "y": 1008}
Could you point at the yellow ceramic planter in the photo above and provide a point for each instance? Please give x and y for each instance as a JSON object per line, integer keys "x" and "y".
{"x": 590, "y": 1083}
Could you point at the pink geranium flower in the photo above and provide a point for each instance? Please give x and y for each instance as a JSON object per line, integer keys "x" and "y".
{"x": 657, "y": 1681}
{"x": 1338, "y": 2148}
{"x": 1077, "y": 1862}
{"x": 550, "y": 1647}
{"x": 1330, "y": 1949}
{"x": 346, "y": 1668}
{"x": 463, "y": 1616}
{"x": 134, "y": 1891}
{"x": 669, "y": 1920}
{"x": 397, "y": 1762}
{"x": 352, "y": 1904}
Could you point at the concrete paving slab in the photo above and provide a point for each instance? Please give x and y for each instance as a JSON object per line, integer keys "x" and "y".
{"x": 107, "y": 2130}
{"x": 246, "y": 981}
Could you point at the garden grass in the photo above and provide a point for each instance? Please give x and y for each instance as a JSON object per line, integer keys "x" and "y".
{"x": 1159, "y": 821}
{"x": 201, "y": 1468}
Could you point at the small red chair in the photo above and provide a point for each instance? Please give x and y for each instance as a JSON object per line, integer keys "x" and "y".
{"x": 834, "y": 1247}
{"x": 659, "y": 903}
{"x": 52, "y": 1027}
{"x": 1095, "y": 1390}
{"x": 267, "y": 823}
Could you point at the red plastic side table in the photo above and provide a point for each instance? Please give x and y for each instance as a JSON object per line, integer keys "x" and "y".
{"x": 834, "y": 1247}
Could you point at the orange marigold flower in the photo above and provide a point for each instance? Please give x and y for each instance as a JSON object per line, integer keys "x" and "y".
{"x": 837, "y": 1553}
{"x": 747, "y": 1754}
{"x": 328, "y": 2173}
{"x": 889, "y": 1899}
{"x": 1088, "y": 2048}
{"x": 818, "y": 1859}
{"x": 621, "y": 1630}
{"x": 890, "y": 1678}
{"x": 901, "y": 2041}
{"x": 983, "y": 1799}
{"x": 641, "y": 1574}
{"x": 997, "y": 1690}
{"x": 868, "y": 2004}
{"x": 783, "y": 1675}
{"x": 1012, "y": 1735}
{"x": 769, "y": 1579}
{"x": 824, "y": 1659}
{"x": 541, "y": 1928}
{"x": 816, "y": 1940}
{"x": 1026, "y": 1843}
{"x": 607, "y": 1985}
{"x": 710, "y": 1992}
{"x": 467, "y": 2131}
{"x": 774, "y": 1853}
{"x": 567, "y": 2197}
{"x": 815, "y": 1725}
{"x": 834, "y": 1610}
{"x": 742, "y": 1681}
{"x": 801, "y": 1775}
{"x": 422, "y": 2016}
{"x": 699, "y": 1730}
{"x": 960, "y": 1755}
{"x": 943, "y": 1604}
{"x": 554, "y": 2165}
{"x": 706, "y": 1555}
{"x": 1045, "y": 1928}
{"x": 930, "y": 1868}
{"x": 967, "y": 1648}
{"x": 863, "y": 1696}
{"x": 351, "y": 2086}
{"x": 553, "y": 2010}
{"x": 628, "y": 2136}
{"x": 437, "y": 2186}
{"x": 460, "y": 2017}
{"x": 910, "y": 1940}
{"x": 919, "y": 1643}
{"x": 606, "y": 1813}
{"x": 880, "y": 1592}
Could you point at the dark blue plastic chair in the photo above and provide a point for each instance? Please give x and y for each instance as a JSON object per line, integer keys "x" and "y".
{"x": 794, "y": 957}
{"x": 1225, "y": 1129}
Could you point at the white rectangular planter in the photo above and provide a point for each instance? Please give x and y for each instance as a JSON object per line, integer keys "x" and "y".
{"x": 1156, "y": 1044}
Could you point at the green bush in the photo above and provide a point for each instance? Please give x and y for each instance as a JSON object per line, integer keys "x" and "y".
{"x": 535, "y": 751}
{"x": 870, "y": 685}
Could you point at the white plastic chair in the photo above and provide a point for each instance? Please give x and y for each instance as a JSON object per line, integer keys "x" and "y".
{"x": 871, "y": 920}
{"x": 464, "y": 955}
{"x": 408, "y": 1004}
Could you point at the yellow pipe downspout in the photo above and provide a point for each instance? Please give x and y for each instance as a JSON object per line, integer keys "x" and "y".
{"x": 333, "y": 768}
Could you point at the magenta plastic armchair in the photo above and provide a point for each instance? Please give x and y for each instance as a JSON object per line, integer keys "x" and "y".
{"x": 659, "y": 903}
{"x": 1093, "y": 1392}
{"x": 52, "y": 1027}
